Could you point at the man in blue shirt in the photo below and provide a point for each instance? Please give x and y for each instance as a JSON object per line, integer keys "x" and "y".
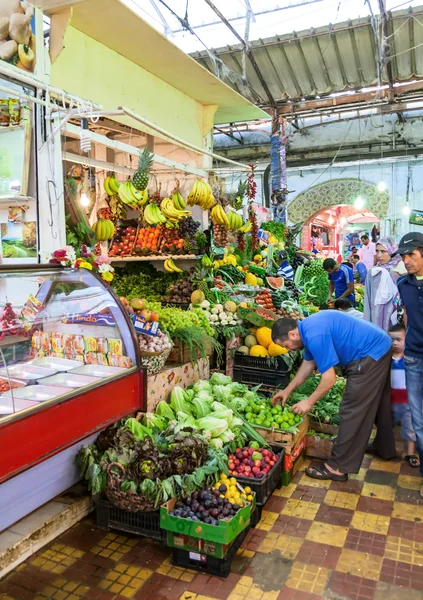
{"x": 410, "y": 288}
{"x": 330, "y": 338}
{"x": 341, "y": 281}
{"x": 285, "y": 270}
{"x": 359, "y": 267}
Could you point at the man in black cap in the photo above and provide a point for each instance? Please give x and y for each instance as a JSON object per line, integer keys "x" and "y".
{"x": 410, "y": 287}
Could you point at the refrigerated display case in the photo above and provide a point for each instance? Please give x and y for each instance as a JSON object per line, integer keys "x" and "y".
{"x": 69, "y": 363}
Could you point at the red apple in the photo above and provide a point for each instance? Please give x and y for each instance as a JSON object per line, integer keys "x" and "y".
{"x": 146, "y": 314}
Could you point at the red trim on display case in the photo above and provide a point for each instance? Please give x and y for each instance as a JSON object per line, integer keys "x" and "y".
{"x": 29, "y": 440}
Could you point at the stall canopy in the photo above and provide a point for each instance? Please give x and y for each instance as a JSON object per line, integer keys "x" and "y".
{"x": 117, "y": 28}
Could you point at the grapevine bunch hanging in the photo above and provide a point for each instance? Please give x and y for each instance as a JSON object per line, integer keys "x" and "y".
{"x": 251, "y": 194}
{"x": 241, "y": 242}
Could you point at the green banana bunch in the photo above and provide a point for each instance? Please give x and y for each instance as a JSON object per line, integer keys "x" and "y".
{"x": 153, "y": 215}
{"x": 235, "y": 221}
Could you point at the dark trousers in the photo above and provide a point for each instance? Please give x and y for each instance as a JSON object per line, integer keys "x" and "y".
{"x": 366, "y": 401}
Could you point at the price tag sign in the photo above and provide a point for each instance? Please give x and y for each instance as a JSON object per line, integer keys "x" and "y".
{"x": 143, "y": 326}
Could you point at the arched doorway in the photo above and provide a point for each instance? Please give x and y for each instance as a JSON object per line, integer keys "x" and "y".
{"x": 336, "y": 192}
{"x": 331, "y": 230}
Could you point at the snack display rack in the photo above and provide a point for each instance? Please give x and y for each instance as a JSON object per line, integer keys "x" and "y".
{"x": 70, "y": 357}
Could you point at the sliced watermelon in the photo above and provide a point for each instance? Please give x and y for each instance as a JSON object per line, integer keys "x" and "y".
{"x": 276, "y": 283}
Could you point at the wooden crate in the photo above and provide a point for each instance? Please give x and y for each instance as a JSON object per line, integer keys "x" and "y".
{"x": 181, "y": 355}
{"x": 318, "y": 447}
{"x": 289, "y": 441}
{"x": 324, "y": 428}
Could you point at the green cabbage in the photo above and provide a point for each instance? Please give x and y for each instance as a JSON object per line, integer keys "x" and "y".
{"x": 178, "y": 401}
{"x": 163, "y": 410}
{"x": 238, "y": 389}
{"x": 217, "y": 406}
{"x": 216, "y": 443}
{"x": 139, "y": 431}
{"x": 222, "y": 393}
{"x": 223, "y": 414}
{"x": 227, "y": 436}
{"x": 202, "y": 385}
{"x": 238, "y": 403}
{"x": 235, "y": 422}
{"x": 189, "y": 394}
{"x": 220, "y": 379}
{"x": 214, "y": 426}
{"x": 201, "y": 407}
{"x": 154, "y": 420}
{"x": 205, "y": 396}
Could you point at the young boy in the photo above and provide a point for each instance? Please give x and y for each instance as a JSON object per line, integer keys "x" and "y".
{"x": 359, "y": 268}
{"x": 400, "y": 409}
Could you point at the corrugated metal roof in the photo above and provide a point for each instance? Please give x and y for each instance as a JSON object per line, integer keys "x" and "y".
{"x": 326, "y": 60}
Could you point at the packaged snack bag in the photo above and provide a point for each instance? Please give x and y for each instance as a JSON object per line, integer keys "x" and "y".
{"x": 102, "y": 345}
{"x": 115, "y": 346}
{"x": 90, "y": 344}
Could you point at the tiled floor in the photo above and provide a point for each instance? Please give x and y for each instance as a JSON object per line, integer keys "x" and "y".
{"x": 362, "y": 540}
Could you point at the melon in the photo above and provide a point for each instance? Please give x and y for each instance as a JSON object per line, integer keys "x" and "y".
{"x": 276, "y": 350}
{"x": 244, "y": 350}
{"x": 197, "y": 297}
{"x": 250, "y": 279}
{"x": 230, "y": 306}
{"x": 259, "y": 351}
{"x": 264, "y": 336}
{"x": 259, "y": 281}
{"x": 250, "y": 341}
{"x": 276, "y": 283}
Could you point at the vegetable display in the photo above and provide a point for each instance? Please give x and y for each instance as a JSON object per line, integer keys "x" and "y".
{"x": 325, "y": 410}
{"x": 157, "y": 464}
{"x": 260, "y": 411}
{"x": 251, "y": 462}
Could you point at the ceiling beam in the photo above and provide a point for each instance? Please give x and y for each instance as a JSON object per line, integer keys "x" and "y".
{"x": 247, "y": 49}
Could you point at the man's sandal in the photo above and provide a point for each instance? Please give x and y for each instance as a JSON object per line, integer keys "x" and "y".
{"x": 320, "y": 471}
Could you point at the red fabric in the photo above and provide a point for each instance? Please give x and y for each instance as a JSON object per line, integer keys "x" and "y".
{"x": 399, "y": 396}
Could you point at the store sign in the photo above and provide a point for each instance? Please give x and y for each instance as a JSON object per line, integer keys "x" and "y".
{"x": 416, "y": 217}
{"x": 143, "y": 326}
{"x": 91, "y": 319}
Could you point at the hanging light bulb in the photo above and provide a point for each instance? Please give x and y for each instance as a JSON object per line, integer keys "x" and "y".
{"x": 84, "y": 199}
{"x": 406, "y": 210}
{"x": 85, "y": 136}
{"x": 359, "y": 203}
{"x": 381, "y": 186}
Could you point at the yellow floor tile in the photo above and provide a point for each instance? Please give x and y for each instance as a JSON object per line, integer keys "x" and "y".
{"x": 360, "y": 476}
{"x": 235, "y": 596}
{"x": 116, "y": 588}
{"x": 381, "y": 492}
{"x": 187, "y": 577}
{"x": 403, "y": 550}
{"x": 286, "y": 491}
{"x": 193, "y": 596}
{"x": 112, "y": 575}
{"x": 341, "y": 499}
{"x": 324, "y": 533}
{"x": 385, "y": 465}
{"x": 372, "y": 523}
{"x": 360, "y": 564}
{"x": 145, "y": 573}
{"x": 287, "y": 546}
{"x": 268, "y": 596}
{"x": 407, "y": 512}
{"x": 305, "y": 464}
{"x": 255, "y": 594}
{"x": 128, "y": 592}
{"x": 307, "y": 578}
{"x": 300, "y": 509}
{"x": 70, "y": 586}
{"x": 409, "y": 482}
{"x": 190, "y": 596}
{"x": 268, "y": 519}
{"x": 316, "y": 483}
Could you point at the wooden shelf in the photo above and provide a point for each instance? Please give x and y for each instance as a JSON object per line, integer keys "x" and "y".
{"x": 156, "y": 258}
{"x": 6, "y": 199}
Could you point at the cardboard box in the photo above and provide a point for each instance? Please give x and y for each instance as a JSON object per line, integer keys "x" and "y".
{"x": 290, "y": 459}
{"x": 324, "y": 428}
{"x": 296, "y": 466}
{"x": 318, "y": 447}
{"x": 224, "y": 533}
{"x": 193, "y": 544}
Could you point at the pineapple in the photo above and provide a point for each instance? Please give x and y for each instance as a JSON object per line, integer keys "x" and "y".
{"x": 189, "y": 246}
{"x": 140, "y": 179}
{"x": 199, "y": 279}
{"x": 239, "y": 197}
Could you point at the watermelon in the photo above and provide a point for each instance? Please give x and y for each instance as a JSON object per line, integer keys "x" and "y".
{"x": 276, "y": 283}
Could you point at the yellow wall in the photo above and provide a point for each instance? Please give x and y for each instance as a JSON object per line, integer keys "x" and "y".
{"x": 91, "y": 70}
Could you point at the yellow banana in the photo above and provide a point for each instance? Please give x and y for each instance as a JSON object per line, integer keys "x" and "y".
{"x": 174, "y": 268}
{"x": 113, "y": 184}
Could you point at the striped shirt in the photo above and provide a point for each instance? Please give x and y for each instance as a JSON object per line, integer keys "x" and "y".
{"x": 285, "y": 270}
{"x": 398, "y": 387}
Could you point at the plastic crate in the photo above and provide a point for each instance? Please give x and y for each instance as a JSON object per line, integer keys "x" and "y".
{"x": 256, "y": 516}
{"x": 146, "y": 524}
{"x": 220, "y": 567}
{"x": 252, "y": 370}
{"x": 265, "y": 487}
